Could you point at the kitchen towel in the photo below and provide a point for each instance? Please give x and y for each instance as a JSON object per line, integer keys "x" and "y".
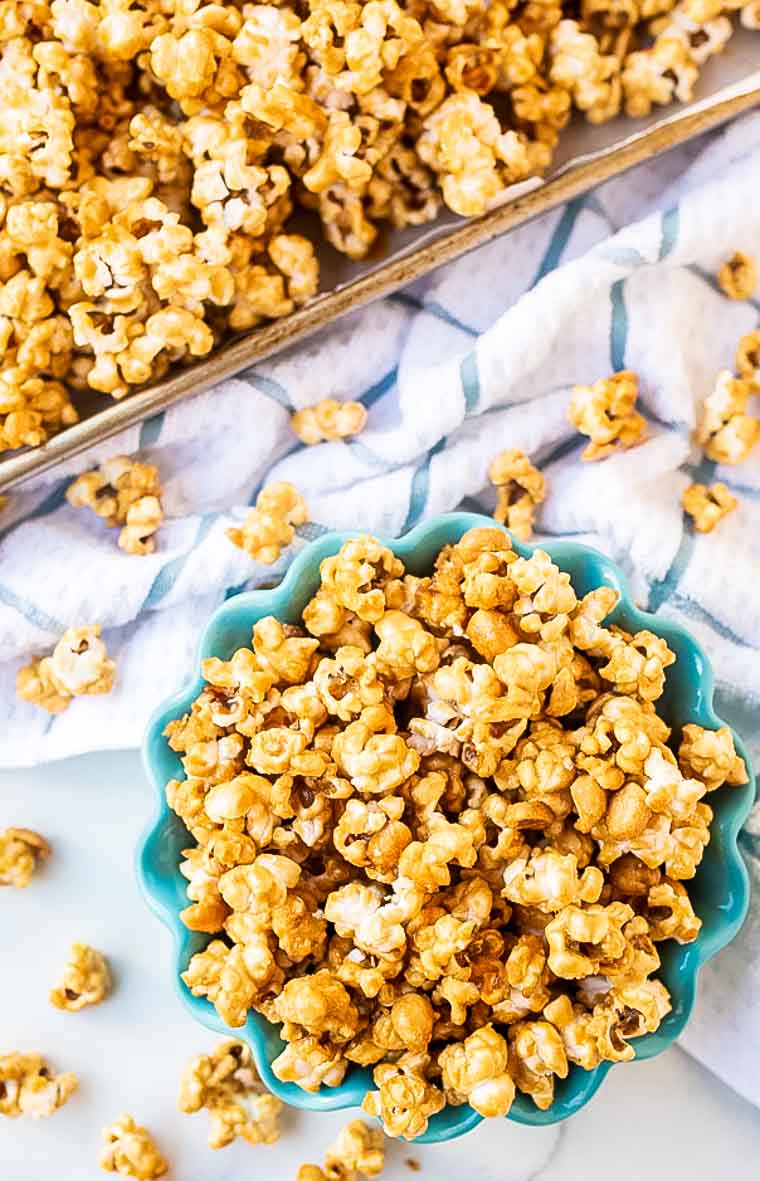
{"x": 477, "y": 357}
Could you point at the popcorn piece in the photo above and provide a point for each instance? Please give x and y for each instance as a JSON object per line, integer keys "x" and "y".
{"x": 597, "y": 929}
{"x": 21, "y": 851}
{"x": 463, "y": 143}
{"x": 320, "y": 1004}
{"x": 670, "y": 914}
{"x": 550, "y": 881}
{"x": 738, "y": 276}
{"x": 375, "y": 761}
{"x": 372, "y": 835}
{"x": 125, "y": 494}
{"x": 226, "y": 1083}
{"x": 86, "y": 980}
{"x": 357, "y": 576}
{"x": 710, "y": 755}
{"x": 536, "y": 1055}
{"x": 230, "y": 977}
{"x": 404, "y": 1100}
{"x": 520, "y": 487}
{"x": 637, "y": 667}
{"x": 708, "y": 504}
{"x": 727, "y": 433}
{"x": 356, "y": 1152}
{"x": 592, "y": 78}
{"x": 29, "y": 1087}
{"x": 78, "y": 666}
{"x": 348, "y": 684}
{"x": 271, "y": 524}
{"x": 748, "y": 359}
{"x": 310, "y": 1064}
{"x": 605, "y": 412}
{"x": 667, "y": 790}
{"x": 130, "y": 1151}
{"x": 328, "y": 420}
{"x": 405, "y": 647}
{"x": 475, "y": 1071}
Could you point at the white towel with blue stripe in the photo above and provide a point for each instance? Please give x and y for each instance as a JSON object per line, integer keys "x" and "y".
{"x": 479, "y": 356}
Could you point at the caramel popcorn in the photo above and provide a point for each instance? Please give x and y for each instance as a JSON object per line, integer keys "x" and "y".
{"x": 439, "y": 832}
{"x": 727, "y": 432}
{"x": 356, "y": 1153}
{"x": 475, "y": 1071}
{"x": 21, "y": 851}
{"x": 592, "y": 78}
{"x": 738, "y": 276}
{"x": 124, "y": 493}
{"x": 748, "y": 359}
{"x": 404, "y": 1099}
{"x": 86, "y": 980}
{"x": 605, "y": 411}
{"x": 227, "y": 1085}
{"x": 710, "y": 755}
{"x": 708, "y": 504}
{"x": 28, "y": 1086}
{"x": 130, "y": 1151}
{"x": 537, "y": 1055}
{"x": 271, "y": 524}
{"x": 79, "y": 665}
{"x": 464, "y": 144}
{"x": 155, "y": 159}
{"x": 520, "y": 488}
{"x": 328, "y": 420}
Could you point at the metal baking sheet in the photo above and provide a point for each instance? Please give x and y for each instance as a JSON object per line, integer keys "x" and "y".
{"x": 729, "y": 85}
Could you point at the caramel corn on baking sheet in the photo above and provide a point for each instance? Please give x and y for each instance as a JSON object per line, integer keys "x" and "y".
{"x": 586, "y": 156}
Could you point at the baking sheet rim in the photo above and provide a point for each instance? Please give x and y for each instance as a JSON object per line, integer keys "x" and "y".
{"x": 576, "y": 177}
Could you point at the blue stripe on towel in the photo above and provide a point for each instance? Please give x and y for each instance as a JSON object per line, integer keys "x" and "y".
{"x": 669, "y": 231}
{"x": 618, "y": 326}
{"x": 559, "y": 240}
{"x": 468, "y": 375}
{"x": 170, "y": 573}
{"x": 420, "y": 486}
{"x": 30, "y": 613}
{"x": 53, "y": 501}
{"x": 663, "y": 590}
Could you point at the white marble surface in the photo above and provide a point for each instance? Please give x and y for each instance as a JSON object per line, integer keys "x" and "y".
{"x": 663, "y": 1119}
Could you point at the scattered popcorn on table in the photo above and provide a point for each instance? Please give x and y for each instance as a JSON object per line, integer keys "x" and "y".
{"x": 86, "y": 980}
{"x": 78, "y": 666}
{"x": 29, "y": 1087}
{"x": 520, "y": 489}
{"x": 438, "y": 833}
{"x": 226, "y": 1083}
{"x": 125, "y": 493}
{"x": 129, "y": 1150}
{"x": 270, "y": 526}
{"x": 357, "y": 1153}
{"x": 21, "y": 851}
{"x": 328, "y": 420}
{"x": 605, "y": 411}
{"x": 738, "y": 276}
{"x": 727, "y": 433}
{"x": 708, "y": 504}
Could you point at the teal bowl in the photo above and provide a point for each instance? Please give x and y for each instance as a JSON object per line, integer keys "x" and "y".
{"x": 720, "y": 890}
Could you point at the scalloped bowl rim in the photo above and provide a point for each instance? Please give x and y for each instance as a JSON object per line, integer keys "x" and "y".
{"x": 165, "y": 896}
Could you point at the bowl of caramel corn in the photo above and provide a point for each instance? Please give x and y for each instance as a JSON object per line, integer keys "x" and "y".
{"x": 446, "y": 826}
